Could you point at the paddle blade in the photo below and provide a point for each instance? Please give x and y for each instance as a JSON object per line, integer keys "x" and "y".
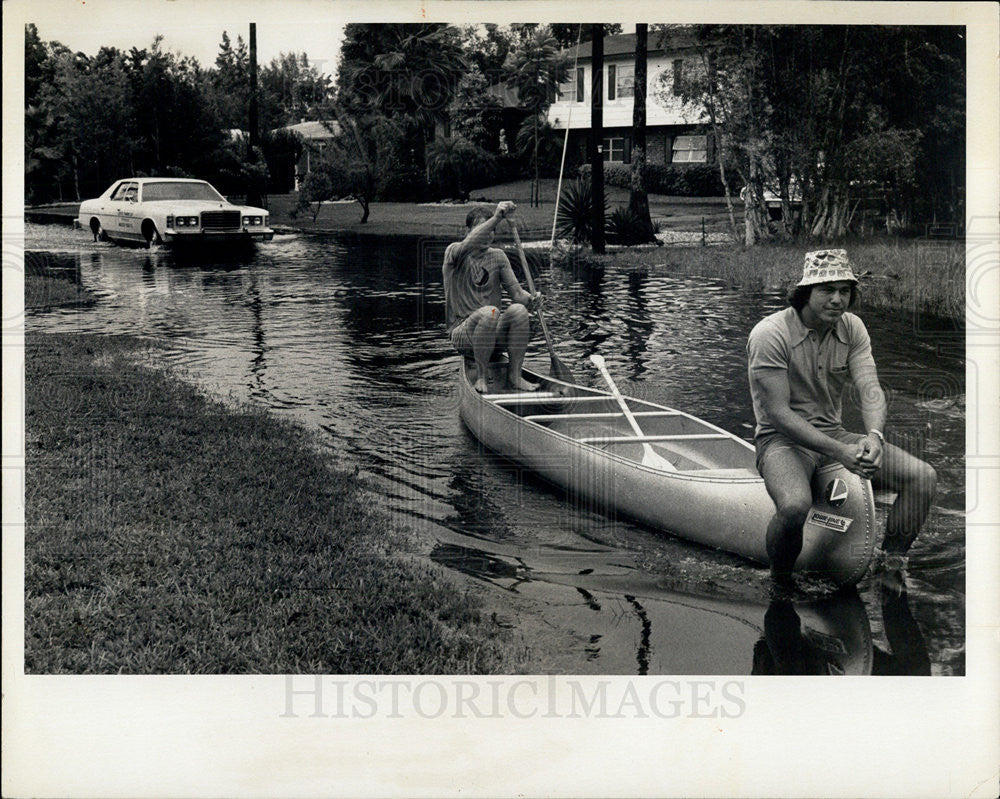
{"x": 653, "y": 460}
{"x": 560, "y": 371}
{"x": 597, "y": 360}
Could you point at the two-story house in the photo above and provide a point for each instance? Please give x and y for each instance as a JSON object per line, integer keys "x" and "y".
{"x": 675, "y": 131}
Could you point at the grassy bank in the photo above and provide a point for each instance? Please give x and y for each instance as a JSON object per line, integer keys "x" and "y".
{"x": 167, "y": 533}
{"x": 905, "y": 274}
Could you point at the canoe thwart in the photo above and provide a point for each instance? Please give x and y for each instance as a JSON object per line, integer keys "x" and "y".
{"x": 520, "y": 396}
{"x": 539, "y": 396}
{"x": 640, "y": 439}
{"x": 553, "y": 417}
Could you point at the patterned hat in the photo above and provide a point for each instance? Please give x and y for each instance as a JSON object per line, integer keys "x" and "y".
{"x": 826, "y": 266}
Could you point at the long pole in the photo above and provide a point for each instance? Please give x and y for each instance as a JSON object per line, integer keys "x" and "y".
{"x": 597, "y": 139}
{"x": 253, "y": 187}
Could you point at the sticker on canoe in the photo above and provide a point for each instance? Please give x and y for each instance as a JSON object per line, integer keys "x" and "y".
{"x": 829, "y": 520}
{"x": 836, "y": 492}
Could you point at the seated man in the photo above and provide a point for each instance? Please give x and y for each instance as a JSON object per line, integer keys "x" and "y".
{"x": 800, "y": 360}
{"x": 474, "y": 273}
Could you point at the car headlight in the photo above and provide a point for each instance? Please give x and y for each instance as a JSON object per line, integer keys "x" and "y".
{"x": 246, "y": 221}
{"x": 192, "y": 221}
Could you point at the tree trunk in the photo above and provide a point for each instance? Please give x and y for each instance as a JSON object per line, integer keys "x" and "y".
{"x": 596, "y": 139}
{"x": 638, "y": 201}
{"x": 534, "y": 188}
{"x": 755, "y": 213}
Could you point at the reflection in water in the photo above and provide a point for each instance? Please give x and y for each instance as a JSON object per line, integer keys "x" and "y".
{"x": 833, "y": 636}
{"x": 345, "y": 336}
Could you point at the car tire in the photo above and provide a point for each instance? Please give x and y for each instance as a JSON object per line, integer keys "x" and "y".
{"x": 151, "y": 234}
{"x": 98, "y": 230}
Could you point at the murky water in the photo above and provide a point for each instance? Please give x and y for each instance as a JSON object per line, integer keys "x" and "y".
{"x": 345, "y": 336}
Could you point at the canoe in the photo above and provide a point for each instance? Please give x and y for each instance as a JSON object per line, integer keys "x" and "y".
{"x": 577, "y": 438}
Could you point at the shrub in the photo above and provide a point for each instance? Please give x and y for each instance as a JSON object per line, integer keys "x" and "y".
{"x": 677, "y": 180}
{"x": 401, "y": 185}
{"x": 575, "y": 211}
{"x": 625, "y": 227}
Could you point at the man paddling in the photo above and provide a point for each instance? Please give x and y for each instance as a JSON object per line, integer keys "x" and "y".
{"x": 800, "y": 360}
{"x": 474, "y": 274}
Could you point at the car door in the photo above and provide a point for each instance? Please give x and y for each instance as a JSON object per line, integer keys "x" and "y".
{"x": 120, "y": 210}
{"x": 130, "y": 213}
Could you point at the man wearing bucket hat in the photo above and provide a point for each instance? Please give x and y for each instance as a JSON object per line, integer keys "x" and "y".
{"x": 799, "y": 362}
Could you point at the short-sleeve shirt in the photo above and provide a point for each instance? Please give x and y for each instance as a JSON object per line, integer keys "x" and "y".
{"x": 474, "y": 282}
{"x": 818, "y": 367}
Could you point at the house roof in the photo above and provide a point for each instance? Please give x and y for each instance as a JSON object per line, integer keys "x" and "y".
{"x": 680, "y": 38}
{"x": 315, "y": 130}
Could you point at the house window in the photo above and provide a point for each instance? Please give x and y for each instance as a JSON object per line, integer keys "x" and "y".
{"x": 616, "y": 149}
{"x": 690, "y": 149}
{"x": 621, "y": 81}
{"x": 678, "y": 76}
{"x": 572, "y": 90}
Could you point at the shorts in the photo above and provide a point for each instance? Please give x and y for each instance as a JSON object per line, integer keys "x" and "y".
{"x": 462, "y": 341}
{"x": 770, "y": 443}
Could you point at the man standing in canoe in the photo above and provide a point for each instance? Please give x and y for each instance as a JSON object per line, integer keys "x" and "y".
{"x": 800, "y": 360}
{"x": 474, "y": 274}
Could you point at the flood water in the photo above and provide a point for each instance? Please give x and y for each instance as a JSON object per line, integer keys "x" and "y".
{"x": 346, "y": 337}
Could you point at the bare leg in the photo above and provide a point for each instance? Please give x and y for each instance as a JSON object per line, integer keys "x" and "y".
{"x": 513, "y": 334}
{"x": 483, "y": 332}
{"x": 787, "y": 476}
{"x": 916, "y": 484}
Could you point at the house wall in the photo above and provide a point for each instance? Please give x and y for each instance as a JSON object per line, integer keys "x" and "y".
{"x": 659, "y": 143}
{"x": 662, "y": 107}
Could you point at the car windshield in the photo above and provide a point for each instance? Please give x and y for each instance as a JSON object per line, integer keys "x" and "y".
{"x": 178, "y": 190}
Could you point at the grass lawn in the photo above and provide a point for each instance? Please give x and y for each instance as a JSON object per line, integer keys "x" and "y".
{"x": 168, "y": 533}
{"x": 448, "y": 220}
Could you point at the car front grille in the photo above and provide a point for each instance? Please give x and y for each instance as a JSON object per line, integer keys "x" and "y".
{"x": 220, "y": 220}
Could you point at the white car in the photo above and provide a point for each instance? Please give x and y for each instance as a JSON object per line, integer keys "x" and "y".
{"x": 171, "y": 210}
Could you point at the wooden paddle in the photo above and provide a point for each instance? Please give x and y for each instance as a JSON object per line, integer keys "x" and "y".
{"x": 559, "y": 370}
{"x": 649, "y": 455}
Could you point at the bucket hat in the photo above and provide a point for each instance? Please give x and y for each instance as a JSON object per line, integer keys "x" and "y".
{"x": 826, "y": 266}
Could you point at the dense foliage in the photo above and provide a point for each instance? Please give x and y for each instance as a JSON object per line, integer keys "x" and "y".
{"x": 844, "y": 127}
{"x": 90, "y": 120}
{"x": 846, "y": 121}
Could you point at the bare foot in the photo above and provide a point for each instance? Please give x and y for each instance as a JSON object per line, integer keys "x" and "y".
{"x": 480, "y": 385}
{"x": 521, "y": 384}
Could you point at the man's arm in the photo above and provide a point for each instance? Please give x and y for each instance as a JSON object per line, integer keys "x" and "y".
{"x": 870, "y": 395}
{"x": 479, "y": 236}
{"x": 772, "y": 388}
{"x": 514, "y": 287}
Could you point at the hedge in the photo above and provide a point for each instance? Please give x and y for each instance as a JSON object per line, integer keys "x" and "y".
{"x": 677, "y": 180}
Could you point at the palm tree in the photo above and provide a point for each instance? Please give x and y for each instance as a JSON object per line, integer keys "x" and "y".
{"x": 535, "y": 70}
{"x": 406, "y": 71}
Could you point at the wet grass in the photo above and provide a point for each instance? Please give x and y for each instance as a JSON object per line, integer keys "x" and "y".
{"x": 919, "y": 275}
{"x": 43, "y": 291}
{"x": 169, "y": 533}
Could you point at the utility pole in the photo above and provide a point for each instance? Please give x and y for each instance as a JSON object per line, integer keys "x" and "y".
{"x": 253, "y": 184}
{"x": 597, "y": 138}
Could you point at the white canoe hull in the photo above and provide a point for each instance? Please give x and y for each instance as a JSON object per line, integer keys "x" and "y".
{"x": 580, "y": 442}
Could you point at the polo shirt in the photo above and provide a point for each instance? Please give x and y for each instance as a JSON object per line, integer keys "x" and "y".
{"x": 470, "y": 282}
{"x": 818, "y": 367}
